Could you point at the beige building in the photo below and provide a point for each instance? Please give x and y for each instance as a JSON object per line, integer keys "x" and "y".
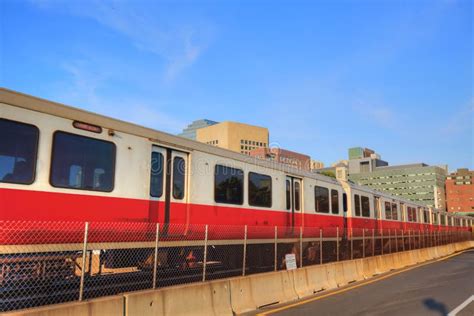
{"x": 234, "y": 136}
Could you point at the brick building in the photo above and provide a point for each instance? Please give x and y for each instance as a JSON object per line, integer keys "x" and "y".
{"x": 460, "y": 191}
{"x": 284, "y": 156}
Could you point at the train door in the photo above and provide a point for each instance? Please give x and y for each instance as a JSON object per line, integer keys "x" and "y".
{"x": 293, "y": 200}
{"x": 168, "y": 185}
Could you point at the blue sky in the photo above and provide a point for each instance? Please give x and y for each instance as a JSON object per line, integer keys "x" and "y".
{"x": 394, "y": 76}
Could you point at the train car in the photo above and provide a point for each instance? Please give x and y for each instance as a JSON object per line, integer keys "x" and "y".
{"x": 59, "y": 164}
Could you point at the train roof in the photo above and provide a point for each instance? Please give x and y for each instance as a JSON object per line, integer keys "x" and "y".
{"x": 29, "y": 102}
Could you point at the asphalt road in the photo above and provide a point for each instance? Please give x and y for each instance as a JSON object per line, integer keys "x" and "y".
{"x": 433, "y": 289}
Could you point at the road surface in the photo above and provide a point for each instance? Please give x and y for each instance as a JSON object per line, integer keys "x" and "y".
{"x": 433, "y": 289}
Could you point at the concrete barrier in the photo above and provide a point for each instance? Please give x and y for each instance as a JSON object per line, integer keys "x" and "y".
{"x": 382, "y": 266}
{"x": 242, "y": 295}
{"x": 98, "y": 307}
{"x": 370, "y": 267}
{"x": 272, "y": 288}
{"x": 350, "y": 271}
{"x": 210, "y": 298}
{"x": 300, "y": 279}
{"x": 336, "y": 270}
{"x": 396, "y": 261}
{"x": 318, "y": 278}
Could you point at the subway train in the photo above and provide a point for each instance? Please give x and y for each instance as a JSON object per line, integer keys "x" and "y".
{"x": 61, "y": 166}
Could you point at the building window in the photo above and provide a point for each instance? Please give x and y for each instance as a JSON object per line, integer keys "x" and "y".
{"x": 179, "y": 168}
{"x": 228, "y": 185}
{"x": 156, "y": 175}
{"x": 80, "y": 162}
{"x": 260, "y": 190}
{"x": 335, "y": 201}
{"x": 365, "y": 206}
{"x": 321, "y": 199}
{"x": 357, "y": 204}
{"x": 18, "y": 152}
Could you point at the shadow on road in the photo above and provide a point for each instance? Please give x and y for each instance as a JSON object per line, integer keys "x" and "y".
{"x": 434, "y": 305}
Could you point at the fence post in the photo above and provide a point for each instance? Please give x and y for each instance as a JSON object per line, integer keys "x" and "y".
{"x": 205, "y": 256}
{"x": 403, "y": 240}
{"x": 155, "y": 263}
{"x": 320, "y": 246}
{"x": 352, "y": 243}
{"x": 301, "y": 246}
{"x": 396, "y": 240}
{"x": 409, "y": 240}
{"x": 389, "y": 241}
{"x": 244, "y": 259}
{"x": 275, "y": 248}
{"x": 381, "y": 241}
{"x": 373, "y": 242}
{"x": 337, "y": 243}
{"x": 363, "y": 242}
{"x": 83, "y": 267}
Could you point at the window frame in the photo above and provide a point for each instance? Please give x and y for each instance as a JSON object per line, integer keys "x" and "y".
{"x": 332, "y": 201}
{"x": 174, "y": 178}
{"x": 328, "y": 199}
{"x": 271, "y": 189}
{"x": 162, "y": 174}
{"x": 362, "y": 205}
{"x": 215, "y": 185}
{"x": 35, "y": 157}
{"x": 53, "y": 146}
{"x": 357, "y": 205}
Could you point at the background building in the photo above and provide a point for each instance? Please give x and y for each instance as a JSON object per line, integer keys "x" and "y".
{"x": 364, "y": 160}
{"x": 234, "y": 136}
{"x": 284, "y": 156}
{"x": 190, "y": 130}
{"x": 417, "y": 182}
{"x": 460, "y": 191}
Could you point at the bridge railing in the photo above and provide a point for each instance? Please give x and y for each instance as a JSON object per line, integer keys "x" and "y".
{"x": 45, "y": 263}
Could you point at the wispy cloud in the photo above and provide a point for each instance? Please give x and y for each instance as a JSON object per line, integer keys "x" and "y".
{"x": 83, "y": 89}
{"x": 179, "y": 44}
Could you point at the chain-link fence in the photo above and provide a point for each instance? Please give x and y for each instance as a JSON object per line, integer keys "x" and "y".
{"x": 45, "y": 263}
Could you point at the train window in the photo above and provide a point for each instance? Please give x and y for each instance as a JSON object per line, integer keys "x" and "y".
{"x": 365, "y": 206}
{"x": 297, "y": 196}
{"x": 179, "y": 171}
{"x": 260, "y": 190}
{"x": 357, "y": 204}
{"x": 156, "y": 175}
{"x": 288, "y": 194}
{"x": 435, "y": 218}
{"x": 344, "y": 202}
{"x": 388, "y": 210}
{"x": 229, "y": 185}
{"x": 426, "y": 217}
{"x": 321, "y": 199}
{"x": 335, "y": 201}
{"x": 18, "y": 151}
{"x": 395, "y": 211}
{"x": 443, "y": 220}
{"x": 80, "y": 162}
